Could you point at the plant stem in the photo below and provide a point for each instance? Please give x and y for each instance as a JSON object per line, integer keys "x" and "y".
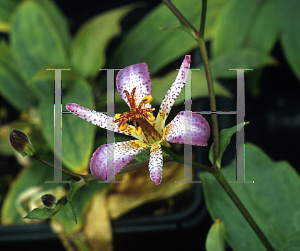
{"x": 214, "y": 169}
{"x": 203, "y": 18}
{"x": 74, "y": 175}
{"x": 212, "y": 100}
{"x": 211, "y": 93}
{"x": 178, "y": 14}
{"x": 224, "y": 183}
{"x": 199, "y": 36}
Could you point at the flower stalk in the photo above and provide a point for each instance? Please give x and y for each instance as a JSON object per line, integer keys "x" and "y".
{"x": 199, "y": 36}
{"x": 224, "y": 183}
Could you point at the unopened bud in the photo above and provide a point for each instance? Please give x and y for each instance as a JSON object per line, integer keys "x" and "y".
{"x": 21, "y": 142}
{"x": 49, "y": 201}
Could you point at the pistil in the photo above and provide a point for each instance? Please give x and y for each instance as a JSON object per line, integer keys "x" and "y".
{"x": 142, "y": 116}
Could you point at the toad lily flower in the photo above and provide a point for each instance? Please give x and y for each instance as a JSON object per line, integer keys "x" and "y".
{"x": 134, "y": 87}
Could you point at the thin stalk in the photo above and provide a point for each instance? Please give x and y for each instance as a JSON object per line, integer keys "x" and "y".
{"x": 224, "y": 183}
{"x": 178, "y": 14}
{"x": 199, "y": 36}
{"x": 203, "y": 18}
{"x": 212, "y": 100}
{"x": 211, "y": 93}
{"x": 74, "y": 175}
{"x": 214, "y": 169}
{"x": 90, "y": 177}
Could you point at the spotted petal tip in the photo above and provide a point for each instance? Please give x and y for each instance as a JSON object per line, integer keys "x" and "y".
{"x": 156, "y": 164}
{"x": 135, "y": 76}
{"x": 173, "y": 93}
{"x": 186, "y": 62}
{"x": 71, "y": 107}
{"x": 156, "y": 177}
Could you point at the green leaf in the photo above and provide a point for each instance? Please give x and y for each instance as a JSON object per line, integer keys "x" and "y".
{"x": 78, "y": 135}
{"x": 29, "y": 178}
{"x": 36, "y": 46}
{"x": 143, "y": 156}
{"x": 90, "y": 43}
{"x": 265, "y": 27}
{"x": 224, "y": 139}
{"x": 147, "y": 43}
{"x": 39, "y": 214}
{"x": 41, "y": 83}
{"x": 272, "y": 200}
{"x": 178, "y": 26}
{"x": 290, "y": 36}
{"x": 292, "y": 243}
{"x": 215, "y": 237}
{"x": 71, "y": 210}
{"x": 84, "y": 195}
{"x": 12, "y": 86}
{"x": 239, "y": 58}
{"x": 233, "y": 26}
{"x": 43, "y": 213}
{"x": 6, "y": 9}
{"x": 58, "y": 20}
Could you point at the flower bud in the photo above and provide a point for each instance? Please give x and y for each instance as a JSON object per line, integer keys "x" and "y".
{"x": 49, "y": 201}
{"x": 21, "y": 142}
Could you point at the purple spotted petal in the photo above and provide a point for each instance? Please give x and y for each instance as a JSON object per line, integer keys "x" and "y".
{"x": 156, "y": 164}
{"x": 135, "y": 76}
{"x": 100, "y": 119}
{"x": 200, "y": 130}
{"x": 120, "y": 154}
{"x": 173, "y": 93}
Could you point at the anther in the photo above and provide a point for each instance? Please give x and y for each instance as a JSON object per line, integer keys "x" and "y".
{"x": 138, "y": 130}
{"x": 123, "y": 126}
{"x": 147, "y": 99}
{"x": 118, "y": 115}
{"x": 151, "y": 118}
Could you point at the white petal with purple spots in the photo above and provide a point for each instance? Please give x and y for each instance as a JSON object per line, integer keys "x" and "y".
{"x": 175, "y": 131}
{"x": 135, "y": 76}
{"x": 172, "y": 93}
{"x": 115, "y": 155}
{"x": 101, "y": 119}
{"x": 156, "y": 164}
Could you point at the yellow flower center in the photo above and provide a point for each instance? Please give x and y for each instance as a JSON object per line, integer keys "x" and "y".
{"x": 142, "y": 117}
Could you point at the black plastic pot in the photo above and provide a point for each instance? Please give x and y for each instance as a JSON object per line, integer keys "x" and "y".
{"x": 179, "y": 229}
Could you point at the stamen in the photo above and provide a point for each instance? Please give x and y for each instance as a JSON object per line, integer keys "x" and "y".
{"x": 142, "y": 117}
{"x": 118, "y": 115}
{"x": 130, "y": 98}
{"x": 151, "y": 118}
{"x": 123, "y": 126}
{"x": 138, "y": 130}
{"x": 147, "y": 99}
